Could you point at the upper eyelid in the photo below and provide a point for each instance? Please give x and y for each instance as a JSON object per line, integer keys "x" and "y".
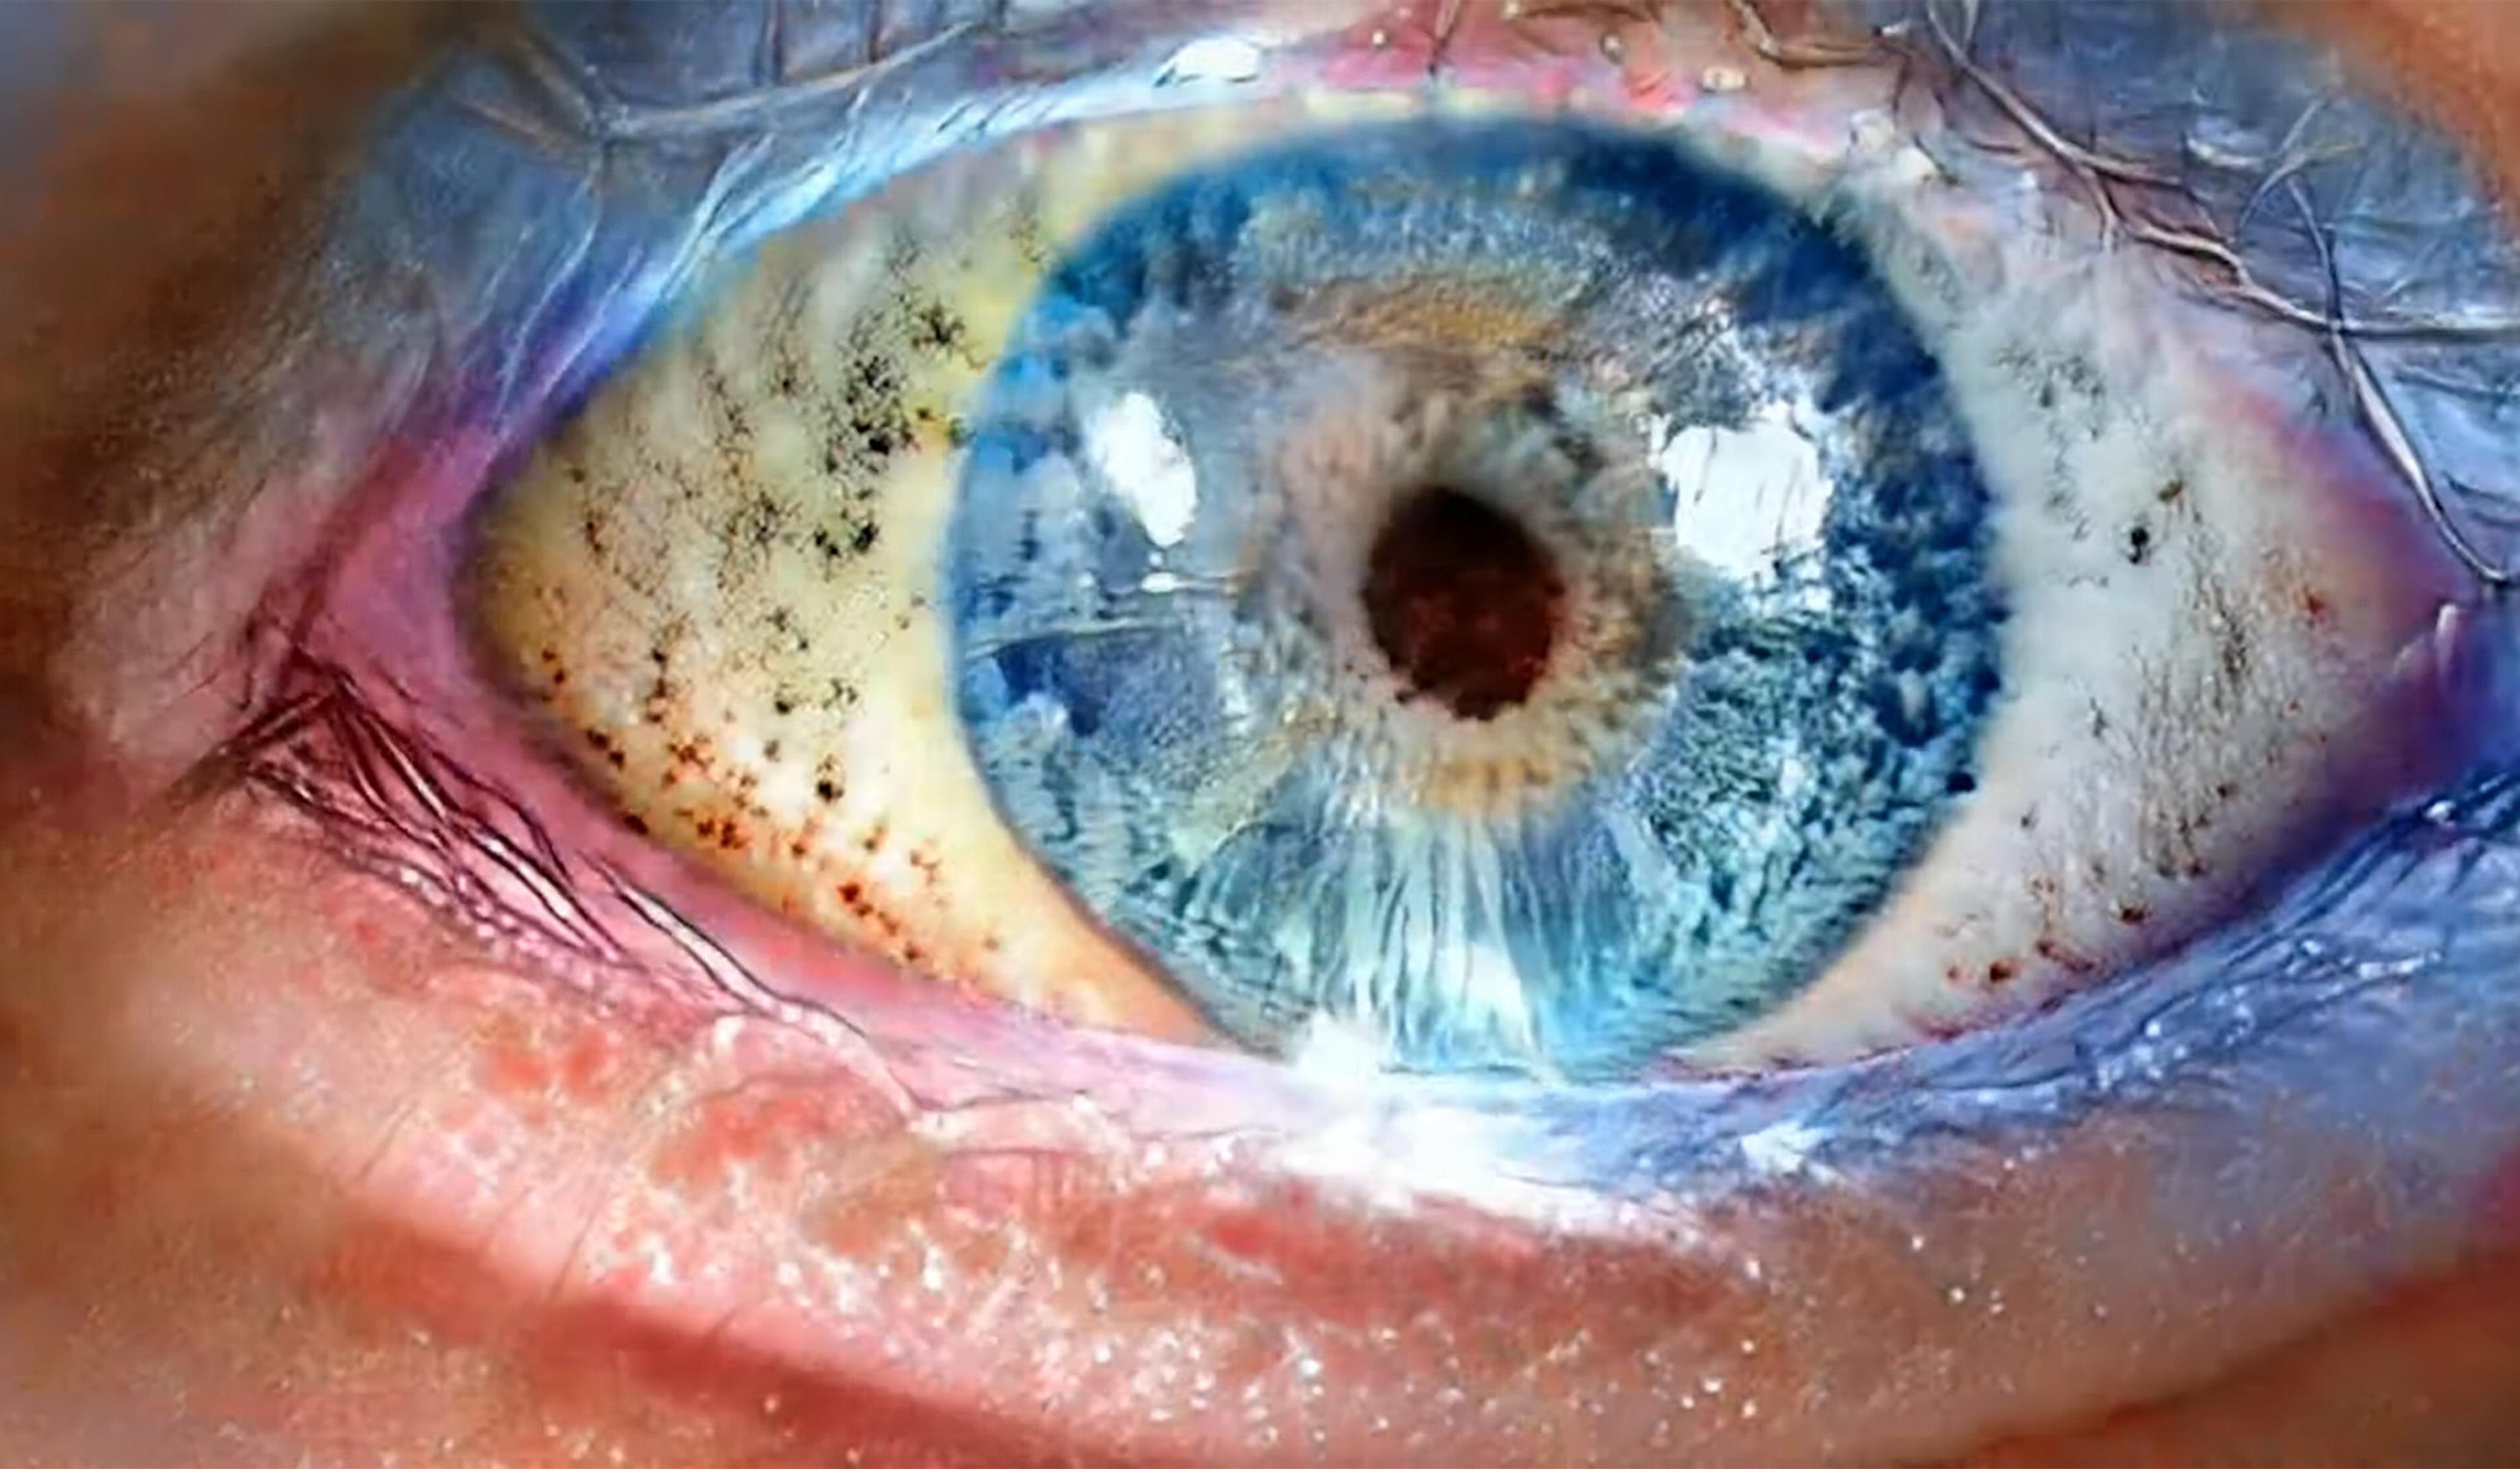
{"x": 772, "y": 69}
{"x": 554, "y": 89}
{"x": 642, "y": 212}
{"x": 774, "y": 85}
{"x": 699, "y": 176}
{"x": 492, "y": 82}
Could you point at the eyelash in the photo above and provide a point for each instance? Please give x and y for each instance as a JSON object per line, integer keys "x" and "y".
{"x": 400, "y": 806}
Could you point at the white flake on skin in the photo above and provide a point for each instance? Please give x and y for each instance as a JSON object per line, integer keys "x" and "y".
{"x": 1230, "y": 58}
{"x": 1783, "y": 1149}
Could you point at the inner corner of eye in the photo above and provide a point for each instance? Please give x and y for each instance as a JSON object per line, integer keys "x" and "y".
{"x": 1469, "y": 594}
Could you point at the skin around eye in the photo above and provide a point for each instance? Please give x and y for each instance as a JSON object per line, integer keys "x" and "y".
{"x": 290, "y": 1167}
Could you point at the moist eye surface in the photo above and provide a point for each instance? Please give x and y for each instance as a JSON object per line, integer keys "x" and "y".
{"x": 1516, "y": 589}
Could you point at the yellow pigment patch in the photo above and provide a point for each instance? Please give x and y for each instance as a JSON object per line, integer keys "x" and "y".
{"x": 720, "y": 579}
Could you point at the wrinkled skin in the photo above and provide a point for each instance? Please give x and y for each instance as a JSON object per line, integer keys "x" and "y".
{"x": 175, "y": 1284}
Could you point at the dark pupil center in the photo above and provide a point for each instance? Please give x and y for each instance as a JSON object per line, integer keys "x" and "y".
{"x": 1463, "y": 601}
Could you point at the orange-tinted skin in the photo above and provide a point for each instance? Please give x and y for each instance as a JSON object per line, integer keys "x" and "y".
{"x": 177, "y": 1283}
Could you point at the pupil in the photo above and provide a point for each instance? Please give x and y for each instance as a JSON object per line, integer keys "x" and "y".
{"x": 1463, "y": 601}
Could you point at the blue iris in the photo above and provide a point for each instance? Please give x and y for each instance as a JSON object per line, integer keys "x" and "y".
{"x": 1172, "y": 707}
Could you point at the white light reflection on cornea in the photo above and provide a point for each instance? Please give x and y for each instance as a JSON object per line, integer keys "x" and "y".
{"x": 1743, "y": 499}
{"x": 1139, "y": 458}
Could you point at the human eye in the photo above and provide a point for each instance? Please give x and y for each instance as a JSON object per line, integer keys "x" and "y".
{"x": 1133, "y": 1246}
{"x": 932, "y": 586}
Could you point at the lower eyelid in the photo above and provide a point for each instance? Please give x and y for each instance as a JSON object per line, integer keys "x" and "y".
{"x": 2094, "y": 1235}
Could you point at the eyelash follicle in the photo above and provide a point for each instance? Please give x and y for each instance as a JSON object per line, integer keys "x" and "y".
{"x": 1529, "y": 593}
